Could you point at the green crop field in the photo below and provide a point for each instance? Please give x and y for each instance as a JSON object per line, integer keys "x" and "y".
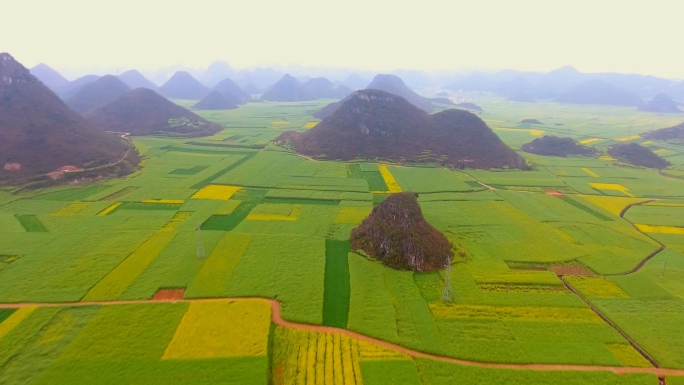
{"x": 579, "y": 261}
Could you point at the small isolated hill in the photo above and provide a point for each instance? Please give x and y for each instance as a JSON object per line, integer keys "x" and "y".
{"x": 289, "y": 89}
{"x": 40, "y": 134}
{"x": 51, "y": 78}
{"x": 218, "y": 101}
{"x": 637, "y": 155}
{"x": 676, "y": 132}
{"x": 397, "y": 234}
{"x": 101, "y": 91}
{"x": 661, "y": 103}
{"x": 374, "y": 124}
{"x": 134, "y": 79}
{"x": 556, "y": 146}
{"x": 530, "y": 121}
{"x": 600, "y": 93}
{"x": 145, "y": 112}
{"x": 469, "y": 106}
{"x": 230, "y": 88}
{"x": 183, "y": 86}
{"x": 394, "y": 85}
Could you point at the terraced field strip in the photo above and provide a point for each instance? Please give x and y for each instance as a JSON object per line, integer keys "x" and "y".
{"x": 219, "y": 267}
{"x": 31, "y": 223}
{"x": 337, "y": 294}
{"x": 210, "y": 178}
{"x": 15, "y": 319}
{"x": 242, "y": 326}
{"x": 117, "y": 281}
{"x": 276, "y": 318}
{"x": 120, "y": 193}
{"x": 249, "y": 198}
{"x": 611, "y": 324}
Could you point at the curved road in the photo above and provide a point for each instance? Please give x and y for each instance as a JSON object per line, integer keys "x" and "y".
{"x": 278, "y": 320}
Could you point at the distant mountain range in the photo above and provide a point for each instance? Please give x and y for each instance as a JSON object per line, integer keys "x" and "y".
{"x": 289, "y": 89}
{"x": 557, "y": 83}
{"x": 101, "y": 91}
{"x": 145, "y": 112}
{"x": 41, "y": 135}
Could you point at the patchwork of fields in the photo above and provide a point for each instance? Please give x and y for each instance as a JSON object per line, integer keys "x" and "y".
{"x": 578, "y": 262}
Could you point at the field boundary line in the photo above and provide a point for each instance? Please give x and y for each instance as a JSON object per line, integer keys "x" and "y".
{"x": 611, "y": 323}
{"x": 277, "y": 319}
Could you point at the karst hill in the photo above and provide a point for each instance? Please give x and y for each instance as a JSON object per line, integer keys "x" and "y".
{"x": 145, "y": 112}
{"x": 374, "y": 124}
{"x": 40, "y": 134}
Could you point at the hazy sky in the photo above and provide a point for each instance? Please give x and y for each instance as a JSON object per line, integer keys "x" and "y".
{"x": 598, "y": 35}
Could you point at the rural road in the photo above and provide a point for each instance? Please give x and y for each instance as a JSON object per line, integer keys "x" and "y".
{"x": 278, "y": 320}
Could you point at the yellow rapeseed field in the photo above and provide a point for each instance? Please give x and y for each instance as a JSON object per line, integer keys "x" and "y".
{"x": 590, "y": 172}
{"x": 613, "y": 205}
{"x": 531, "y": 131}
{"x": 662, "y": 151}
{"x": 590, "y": 140}
{"x": 15, "y": 319}
{"x": 311, "y": 358}
{"x": 665, "y": 204}
{"x": 117, "y": 281}
{"x": 661, "y": 229}
{"x": 598, "y": 287}
{"x": 392, "y": 185}
{"x": 216, "y": 192}
{"x": 352, "y": 215}
{"x": 221, "y": 328}
{"x": 607, "y": 158}
{"x": 628, "y": 138}
{"x": 310, "y": 124}
{"x": 611, "y": 186}
{"x": 264, "y": 215}
{"x": 72, "y": 209}
{"x": 627, "y": 356}
{"x": 109, "y": 209}
{"x": 176, "y": 220}
{"x": 219, "y": 267}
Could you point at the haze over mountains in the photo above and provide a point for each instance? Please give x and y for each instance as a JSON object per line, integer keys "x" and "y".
{"x": 564, "y": 84}
{"x": 182, "y": 85}
{"x": 388, "y": 83}
{"x": 101, "y": 91}
{"x": 134, "y": 79}
{"x": 41, "y": 134}
{"x": 145, "y": 112}
{"x": 289, "y": 89}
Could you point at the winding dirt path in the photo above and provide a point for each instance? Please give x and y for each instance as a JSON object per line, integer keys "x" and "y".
{"x": 277, "y": 319}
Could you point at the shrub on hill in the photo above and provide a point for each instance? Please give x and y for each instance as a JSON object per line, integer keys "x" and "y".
{"x": 397, "y": 234}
